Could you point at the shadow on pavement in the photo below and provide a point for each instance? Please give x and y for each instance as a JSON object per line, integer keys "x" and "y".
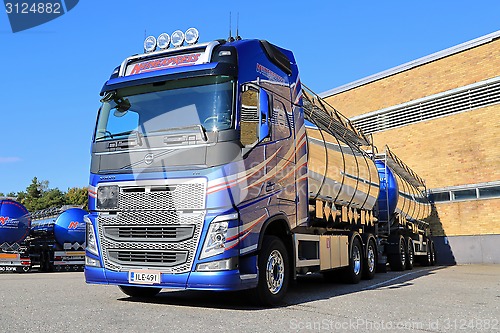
{"x": 306, "y": 289}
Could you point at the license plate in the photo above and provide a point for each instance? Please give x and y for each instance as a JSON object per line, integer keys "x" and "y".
{"x": 144, "y": 277}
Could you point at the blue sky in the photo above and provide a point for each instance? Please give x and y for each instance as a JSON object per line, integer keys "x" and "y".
{"x": 52, "y": 74}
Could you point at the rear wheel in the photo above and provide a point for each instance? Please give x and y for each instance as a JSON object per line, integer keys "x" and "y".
{"x": 143, "y": 292}
{"x": 370, "y": 262}
{"x": 427, "y": 259}
{"x": 353, "y": 273}
{"x": 274, "y": 272}
{"x": 433, "y": 254}
{"x": 410, "y": 253}
{"x": 397, "y": 261}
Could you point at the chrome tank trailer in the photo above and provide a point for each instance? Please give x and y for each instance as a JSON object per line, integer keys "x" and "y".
{"x": 400, "y": 195}
{"x": 339, "y": 171}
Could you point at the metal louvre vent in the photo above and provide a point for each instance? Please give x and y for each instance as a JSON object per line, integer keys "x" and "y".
{"x": 463, "y": 99}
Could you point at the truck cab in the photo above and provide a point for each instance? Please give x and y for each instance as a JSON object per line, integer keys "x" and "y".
{"x": 198, "y": 152}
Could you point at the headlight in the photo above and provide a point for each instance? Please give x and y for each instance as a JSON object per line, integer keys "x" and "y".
{"x": 215, "y": 241}
{"x": 107, "y": 197}
{"x": 90, "y": 238}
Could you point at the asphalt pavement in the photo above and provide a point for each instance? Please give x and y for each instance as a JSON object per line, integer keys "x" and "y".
{"x": 430, "y": 299}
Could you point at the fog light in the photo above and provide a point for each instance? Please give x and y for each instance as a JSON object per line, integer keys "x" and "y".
{"x": 219, "y": 265}
{"x": 92, "y": 262}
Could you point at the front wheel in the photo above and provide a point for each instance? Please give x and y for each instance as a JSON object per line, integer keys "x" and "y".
{"x": 274, "y": 272}
{"x": 142, "y": 292}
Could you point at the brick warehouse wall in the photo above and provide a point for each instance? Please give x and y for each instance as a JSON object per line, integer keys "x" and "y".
{"x": 454, "y": 150}
{"x": 457, "y": 70}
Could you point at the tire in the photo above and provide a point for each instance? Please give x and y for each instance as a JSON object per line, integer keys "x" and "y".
{"x": 354, "y": 271}
{"x": 274, "y": 272}
{"x": 141, "y": 292}
{"x": 397, "y": 261}
{"x": 370, "y": 260}
{"x": 433, "y": 254}
{"x": 410, "y": 254}
{"x": 427, "y": 260}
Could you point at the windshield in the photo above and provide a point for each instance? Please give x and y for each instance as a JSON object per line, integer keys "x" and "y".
{"x": 155, "y": 108}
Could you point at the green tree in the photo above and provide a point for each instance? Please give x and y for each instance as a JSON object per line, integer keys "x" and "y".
{"x": 77, "y": 196}
{"x": 39, "y": 196}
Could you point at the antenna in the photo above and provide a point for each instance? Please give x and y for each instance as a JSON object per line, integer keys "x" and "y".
{"x": 238, "y": 26}
{"x": 230, "y": 39}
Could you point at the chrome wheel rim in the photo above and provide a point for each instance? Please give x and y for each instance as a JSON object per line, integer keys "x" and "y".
{"x": 356, "y": 258}
{"x": 275, "y": 272}
{"x": 371, "y": 259}
{"x": 410, "y": 252}
{"x": 403, "y": 255}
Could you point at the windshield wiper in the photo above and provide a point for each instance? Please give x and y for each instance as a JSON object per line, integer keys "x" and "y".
{"x": 137, "y": 134}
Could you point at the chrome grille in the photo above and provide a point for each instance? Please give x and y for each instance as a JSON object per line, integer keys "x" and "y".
{"x": 150, "y": 233}
{"x": 152, "y": 227}
{"x": 178, "y": 197}
{"x": 151, "y": 258}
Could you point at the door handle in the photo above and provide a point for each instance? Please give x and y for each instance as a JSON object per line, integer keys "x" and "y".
{"x": 270, "y": 186}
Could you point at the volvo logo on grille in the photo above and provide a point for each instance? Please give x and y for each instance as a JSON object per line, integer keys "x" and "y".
{"x": 149, "y": 158}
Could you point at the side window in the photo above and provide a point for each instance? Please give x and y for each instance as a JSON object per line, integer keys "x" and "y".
{"x": 249, "y": 116}
{"x": 281, "y": 126}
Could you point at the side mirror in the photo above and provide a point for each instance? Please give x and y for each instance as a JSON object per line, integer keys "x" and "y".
{"x": 263, "y": 114}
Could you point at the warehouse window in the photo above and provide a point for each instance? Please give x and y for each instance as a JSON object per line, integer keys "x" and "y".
{"x": 489, "y": 192}
{"x": 465, "y": 192}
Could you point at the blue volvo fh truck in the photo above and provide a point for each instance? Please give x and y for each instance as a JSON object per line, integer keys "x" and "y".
{"x": 214, "y": 168}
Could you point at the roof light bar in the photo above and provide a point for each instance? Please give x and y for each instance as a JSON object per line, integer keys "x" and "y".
{"x": 176, "y": 39}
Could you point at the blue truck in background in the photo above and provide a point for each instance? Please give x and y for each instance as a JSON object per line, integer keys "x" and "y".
{"x": 57, "y": 239}
{"x": 15, "y": 224}
{"x": 214, "y": 168}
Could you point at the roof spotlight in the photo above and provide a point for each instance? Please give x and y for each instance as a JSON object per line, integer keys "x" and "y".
{"x": 177, "y": 38}
{"x": 192, "y": 36}
{"x": 150, "y": 44}
{"x": 163, "y": 41}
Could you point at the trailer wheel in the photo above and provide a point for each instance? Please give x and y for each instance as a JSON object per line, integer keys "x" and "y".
{"x": 370, "y": 262}
{"x": 397, "y": 261}
{"x": 274, "y": 272}
{"x": 410, "y": 254}
{"x": 433, "y": 254}
{"x": 354, "y": 271}
{"x": 142, "y": 292}
{"x": 427, "y": 259}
